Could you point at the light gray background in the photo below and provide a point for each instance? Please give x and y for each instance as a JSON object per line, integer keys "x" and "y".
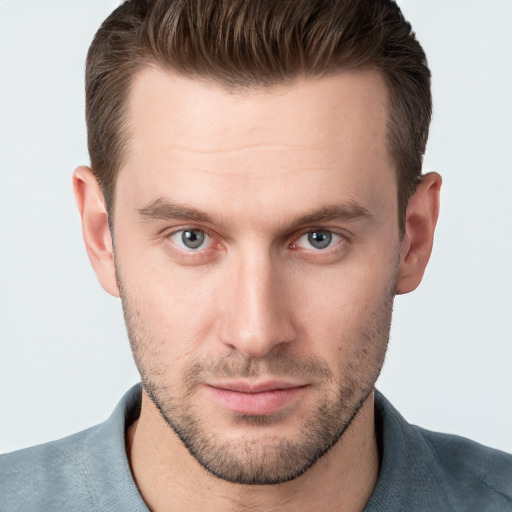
{"x": 64, "y": 356}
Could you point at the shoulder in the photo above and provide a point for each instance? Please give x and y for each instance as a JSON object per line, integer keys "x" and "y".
{"x": 51, "y": 476}
{"x": 85, "y": 471}
{"x": 471, "y": 469}
{"x": 423, "y": 470}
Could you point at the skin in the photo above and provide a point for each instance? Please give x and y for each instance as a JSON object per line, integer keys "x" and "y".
{"x": 257, "y": 304}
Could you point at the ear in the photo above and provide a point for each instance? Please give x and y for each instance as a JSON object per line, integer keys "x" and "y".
{"x": 420, "y": 223}
{"x": 97, "y": 237}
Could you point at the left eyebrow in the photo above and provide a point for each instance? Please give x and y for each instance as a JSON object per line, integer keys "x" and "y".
{"x": 336, "y": 212}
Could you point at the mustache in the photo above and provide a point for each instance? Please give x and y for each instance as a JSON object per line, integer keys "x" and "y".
{"x": 247, "y": 367}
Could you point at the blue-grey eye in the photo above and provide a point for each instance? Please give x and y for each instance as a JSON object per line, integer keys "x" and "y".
{"x": 193, "y": 238}
{"x": 190, "y": 239}
{"x": 320, "y": 239}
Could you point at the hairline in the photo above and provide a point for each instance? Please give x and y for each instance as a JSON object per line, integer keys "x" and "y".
{"x": 151, "y": 62}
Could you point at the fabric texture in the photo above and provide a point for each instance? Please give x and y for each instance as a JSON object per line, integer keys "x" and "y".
{"x": 420, "y": 470}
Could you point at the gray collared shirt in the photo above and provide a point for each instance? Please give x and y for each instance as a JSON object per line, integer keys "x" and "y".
{"x": 420, "y": 470}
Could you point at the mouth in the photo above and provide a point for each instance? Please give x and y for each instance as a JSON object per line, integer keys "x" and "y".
{"x": 260, "y": 398}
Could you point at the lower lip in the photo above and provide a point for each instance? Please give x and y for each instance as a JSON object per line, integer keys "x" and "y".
{"x": 262, "y": 403}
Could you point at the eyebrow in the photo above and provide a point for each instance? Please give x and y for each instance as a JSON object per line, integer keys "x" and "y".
{"x": 164, "y": 209}
{"x": 350, "y": 210}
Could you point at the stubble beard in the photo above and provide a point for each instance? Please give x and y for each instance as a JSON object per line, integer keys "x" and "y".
{"x": 268, "y": 459}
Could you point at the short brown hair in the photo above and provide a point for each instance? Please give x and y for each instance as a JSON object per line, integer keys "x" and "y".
{"x": 257, "y": 43}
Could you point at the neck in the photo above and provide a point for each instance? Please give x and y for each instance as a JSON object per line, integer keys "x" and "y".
{"x": 169, "y": 478}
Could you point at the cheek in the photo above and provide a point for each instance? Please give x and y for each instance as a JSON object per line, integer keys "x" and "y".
{"x": 338, "y": 310}
{"x": 175, "y": 311}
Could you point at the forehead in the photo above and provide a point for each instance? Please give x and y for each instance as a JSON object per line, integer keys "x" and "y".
{"x": 218, "y": 118}
{"x": 325, "y": 134}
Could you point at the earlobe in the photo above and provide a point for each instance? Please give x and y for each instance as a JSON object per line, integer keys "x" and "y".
{"x": 95, "y": 228}
{"x": 421, "y": 219}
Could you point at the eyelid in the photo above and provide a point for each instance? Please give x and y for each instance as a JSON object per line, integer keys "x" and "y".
{"x": 342, "y": 238}
{"x": 186, "y": 250}
{"x": 215, "y": 241}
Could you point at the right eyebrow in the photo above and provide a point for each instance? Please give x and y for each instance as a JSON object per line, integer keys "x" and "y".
{"x": 163, "y": 209}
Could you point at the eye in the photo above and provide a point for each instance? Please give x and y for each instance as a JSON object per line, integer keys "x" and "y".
{"x": 190, "y": 239}
{"x": 318, "y": 240}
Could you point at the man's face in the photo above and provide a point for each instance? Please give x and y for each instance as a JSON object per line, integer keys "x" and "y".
{"x": 257, "y": 248}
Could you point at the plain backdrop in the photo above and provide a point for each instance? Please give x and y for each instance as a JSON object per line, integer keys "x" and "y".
{"x": 64, "y": 355}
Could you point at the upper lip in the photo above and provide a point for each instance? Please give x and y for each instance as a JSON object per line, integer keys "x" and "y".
{"x": 256, "y": 387}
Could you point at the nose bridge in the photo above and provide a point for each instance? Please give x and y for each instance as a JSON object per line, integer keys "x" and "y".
{"x": 258, "y": 314}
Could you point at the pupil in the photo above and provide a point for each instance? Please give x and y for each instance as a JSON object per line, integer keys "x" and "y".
{"x": 320, "y": 239}
{"x": 192, "y": 239}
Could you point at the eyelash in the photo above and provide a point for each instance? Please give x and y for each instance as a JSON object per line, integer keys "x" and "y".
{"x": 188, "y": 252}
{"x": 202, "y": 252}
{"x": 330, "y": 247}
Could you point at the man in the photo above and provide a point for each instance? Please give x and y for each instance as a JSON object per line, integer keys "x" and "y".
{"x": 255, "y": 198}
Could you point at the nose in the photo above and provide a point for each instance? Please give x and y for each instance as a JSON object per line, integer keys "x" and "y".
{"x": 257, "y": 311}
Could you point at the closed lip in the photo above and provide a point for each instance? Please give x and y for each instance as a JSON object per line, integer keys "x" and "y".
{"x": 256, "y": 398}
{"x": 256, "y": 387}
